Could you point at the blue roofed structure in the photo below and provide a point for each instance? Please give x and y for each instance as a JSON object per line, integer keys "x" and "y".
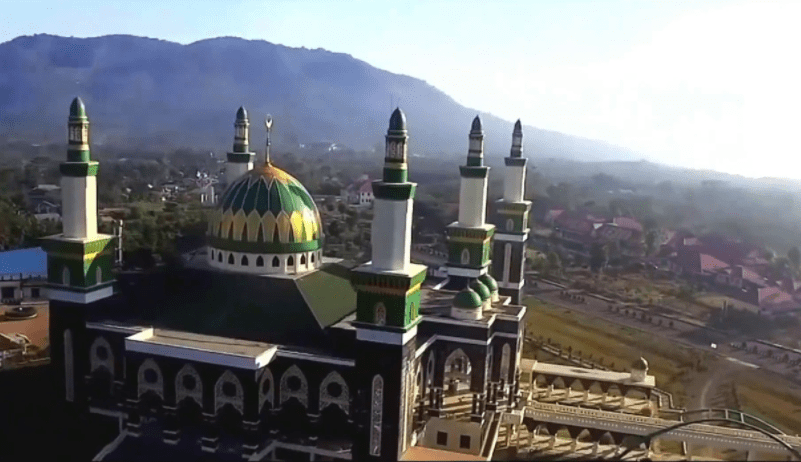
{"x": 29, "y": 263}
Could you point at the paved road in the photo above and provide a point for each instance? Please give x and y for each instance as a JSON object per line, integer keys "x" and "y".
{"x": 684, "y": 333}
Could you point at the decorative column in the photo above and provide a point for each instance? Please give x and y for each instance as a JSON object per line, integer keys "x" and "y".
{"x": 170, "y": 429}
{"x": 210, "y": 440}
{"x": 469, "y": 238}
{"x": 240, "y": 159}
{"x": 511, "y": 221}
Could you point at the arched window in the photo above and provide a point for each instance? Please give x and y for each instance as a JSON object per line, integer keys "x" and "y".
{"x": 510, "y": 224}
{"x": 303, "y": 259}
{"x": 506, "y": 356}
{"x": 230, "y": 259}
{"x": 465, "y": 257}
{"x": 380, "y": 314}
{"x": 260, "y": 261}
{"x": 413, "y": 310}
{"x": 376, "y": 415}
{"x": 507, "y": 261}
{"x": 98, "y": 275}
{"x": 212, "y": 255}
{"x": 219, "y": 257}
{"x": 290, "y": 261}
{"x": 276, "y": 262}
{"x": 312, "y": 258}
{"x": 68, "y": 366}
{"x": 65, "y": 276}
{"x": 244, "y": 260}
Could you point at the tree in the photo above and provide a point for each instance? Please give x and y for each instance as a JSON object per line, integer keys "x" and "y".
{"x": 598, "y": 256}
{"x": 554, "y": 263}
{"x": 794, "y": 255}
{"x": 650, "y": 242}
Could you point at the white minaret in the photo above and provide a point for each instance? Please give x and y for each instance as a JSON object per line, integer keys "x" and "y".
{"x": 392, "y": 209}
{"x": 240, "y": 160}
{"x": 514, "y": 183}
{"x": 473, "y": 187}
{"x": 78, "y": 181}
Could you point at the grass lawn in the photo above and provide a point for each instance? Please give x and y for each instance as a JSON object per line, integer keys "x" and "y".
{"x": 777, "y": 401}
{"x": 715, "y": 302}
{"x": 671, "y": 364}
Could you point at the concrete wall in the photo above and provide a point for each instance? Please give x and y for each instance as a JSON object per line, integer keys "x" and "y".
{"x": 454, "y": 431}
{"x": 472, "y": 202}
{"x": 513, "y": 184}
{"x": 392, "y": 234}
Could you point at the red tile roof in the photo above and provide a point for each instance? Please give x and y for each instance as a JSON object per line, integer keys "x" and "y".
{"x": 775, "y": 300}
{"x": 628, "y": 223}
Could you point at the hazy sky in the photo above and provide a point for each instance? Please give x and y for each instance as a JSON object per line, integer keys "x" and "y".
{"x": 707, "y": 84}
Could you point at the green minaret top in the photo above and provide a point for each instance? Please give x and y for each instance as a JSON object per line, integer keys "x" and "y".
{"x": 397, "y": 122}
{"x": 475, "y": 152}
{"x": 77, "y": 139}
{"x": 77, "y": 109}
{"x": 242, "y": 113}
{"x": 395, "y": 158}
{"x": 476, "y": 128}
{"x": 517, "y": 140}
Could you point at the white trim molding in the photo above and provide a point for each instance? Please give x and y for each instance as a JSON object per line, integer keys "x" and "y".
{"x": 511, "y": 237}
{"x": 465, "y": 272}
{"x": 388, "y": 338}
{"x": 78, "y": 297}
{"x": 315, "y": 358}
{"x": 511, "y": 285}
{"x": 142, "y": 343}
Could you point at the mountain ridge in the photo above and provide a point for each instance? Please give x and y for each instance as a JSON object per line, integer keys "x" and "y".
{"x": 148, "y": 92}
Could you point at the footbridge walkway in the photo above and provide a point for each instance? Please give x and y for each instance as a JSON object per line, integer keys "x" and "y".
{"x": 702, "y": 434}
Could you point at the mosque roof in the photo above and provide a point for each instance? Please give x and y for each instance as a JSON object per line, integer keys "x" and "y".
{"x": 293, "y": 310}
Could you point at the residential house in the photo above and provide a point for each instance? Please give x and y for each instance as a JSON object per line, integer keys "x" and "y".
{"x": 23, "y": 273}
{"x": 360, "y": 192}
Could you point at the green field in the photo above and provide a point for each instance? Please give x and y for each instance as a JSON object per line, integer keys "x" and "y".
{"x": 671, "y": 364}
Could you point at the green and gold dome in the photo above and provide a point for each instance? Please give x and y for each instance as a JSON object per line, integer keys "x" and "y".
{"x": 266, "y": 211}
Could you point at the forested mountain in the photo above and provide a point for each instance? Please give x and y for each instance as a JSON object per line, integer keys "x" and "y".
{"x": 143, "y": 92}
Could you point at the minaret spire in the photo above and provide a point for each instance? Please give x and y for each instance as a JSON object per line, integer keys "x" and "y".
{"x": 396, "y": 156}
{"x": 475, "y": 152}
{"x": 388, "y": 299}
{"x": 511, "y": 217}
{"x": 469, "y": 238}
{"x": 240, "y": 159}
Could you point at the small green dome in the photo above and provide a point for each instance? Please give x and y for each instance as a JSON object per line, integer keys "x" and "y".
{"x": 242, "y": 113}
{"x": 398, "y": 120}
{"x": 481, "y": 289}
{"x": 77, "y": 109}
{"x": 476, "y": 125}
{"x": 467, "y": 298}
{"x": 489, "y": 281}
{"x": 266, "y": 210}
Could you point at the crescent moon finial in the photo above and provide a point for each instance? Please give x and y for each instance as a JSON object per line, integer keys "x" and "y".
{"x": 268, "y": 124}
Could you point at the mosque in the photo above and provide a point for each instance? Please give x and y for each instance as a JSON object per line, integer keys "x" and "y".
{"x": 259, "y": 347}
